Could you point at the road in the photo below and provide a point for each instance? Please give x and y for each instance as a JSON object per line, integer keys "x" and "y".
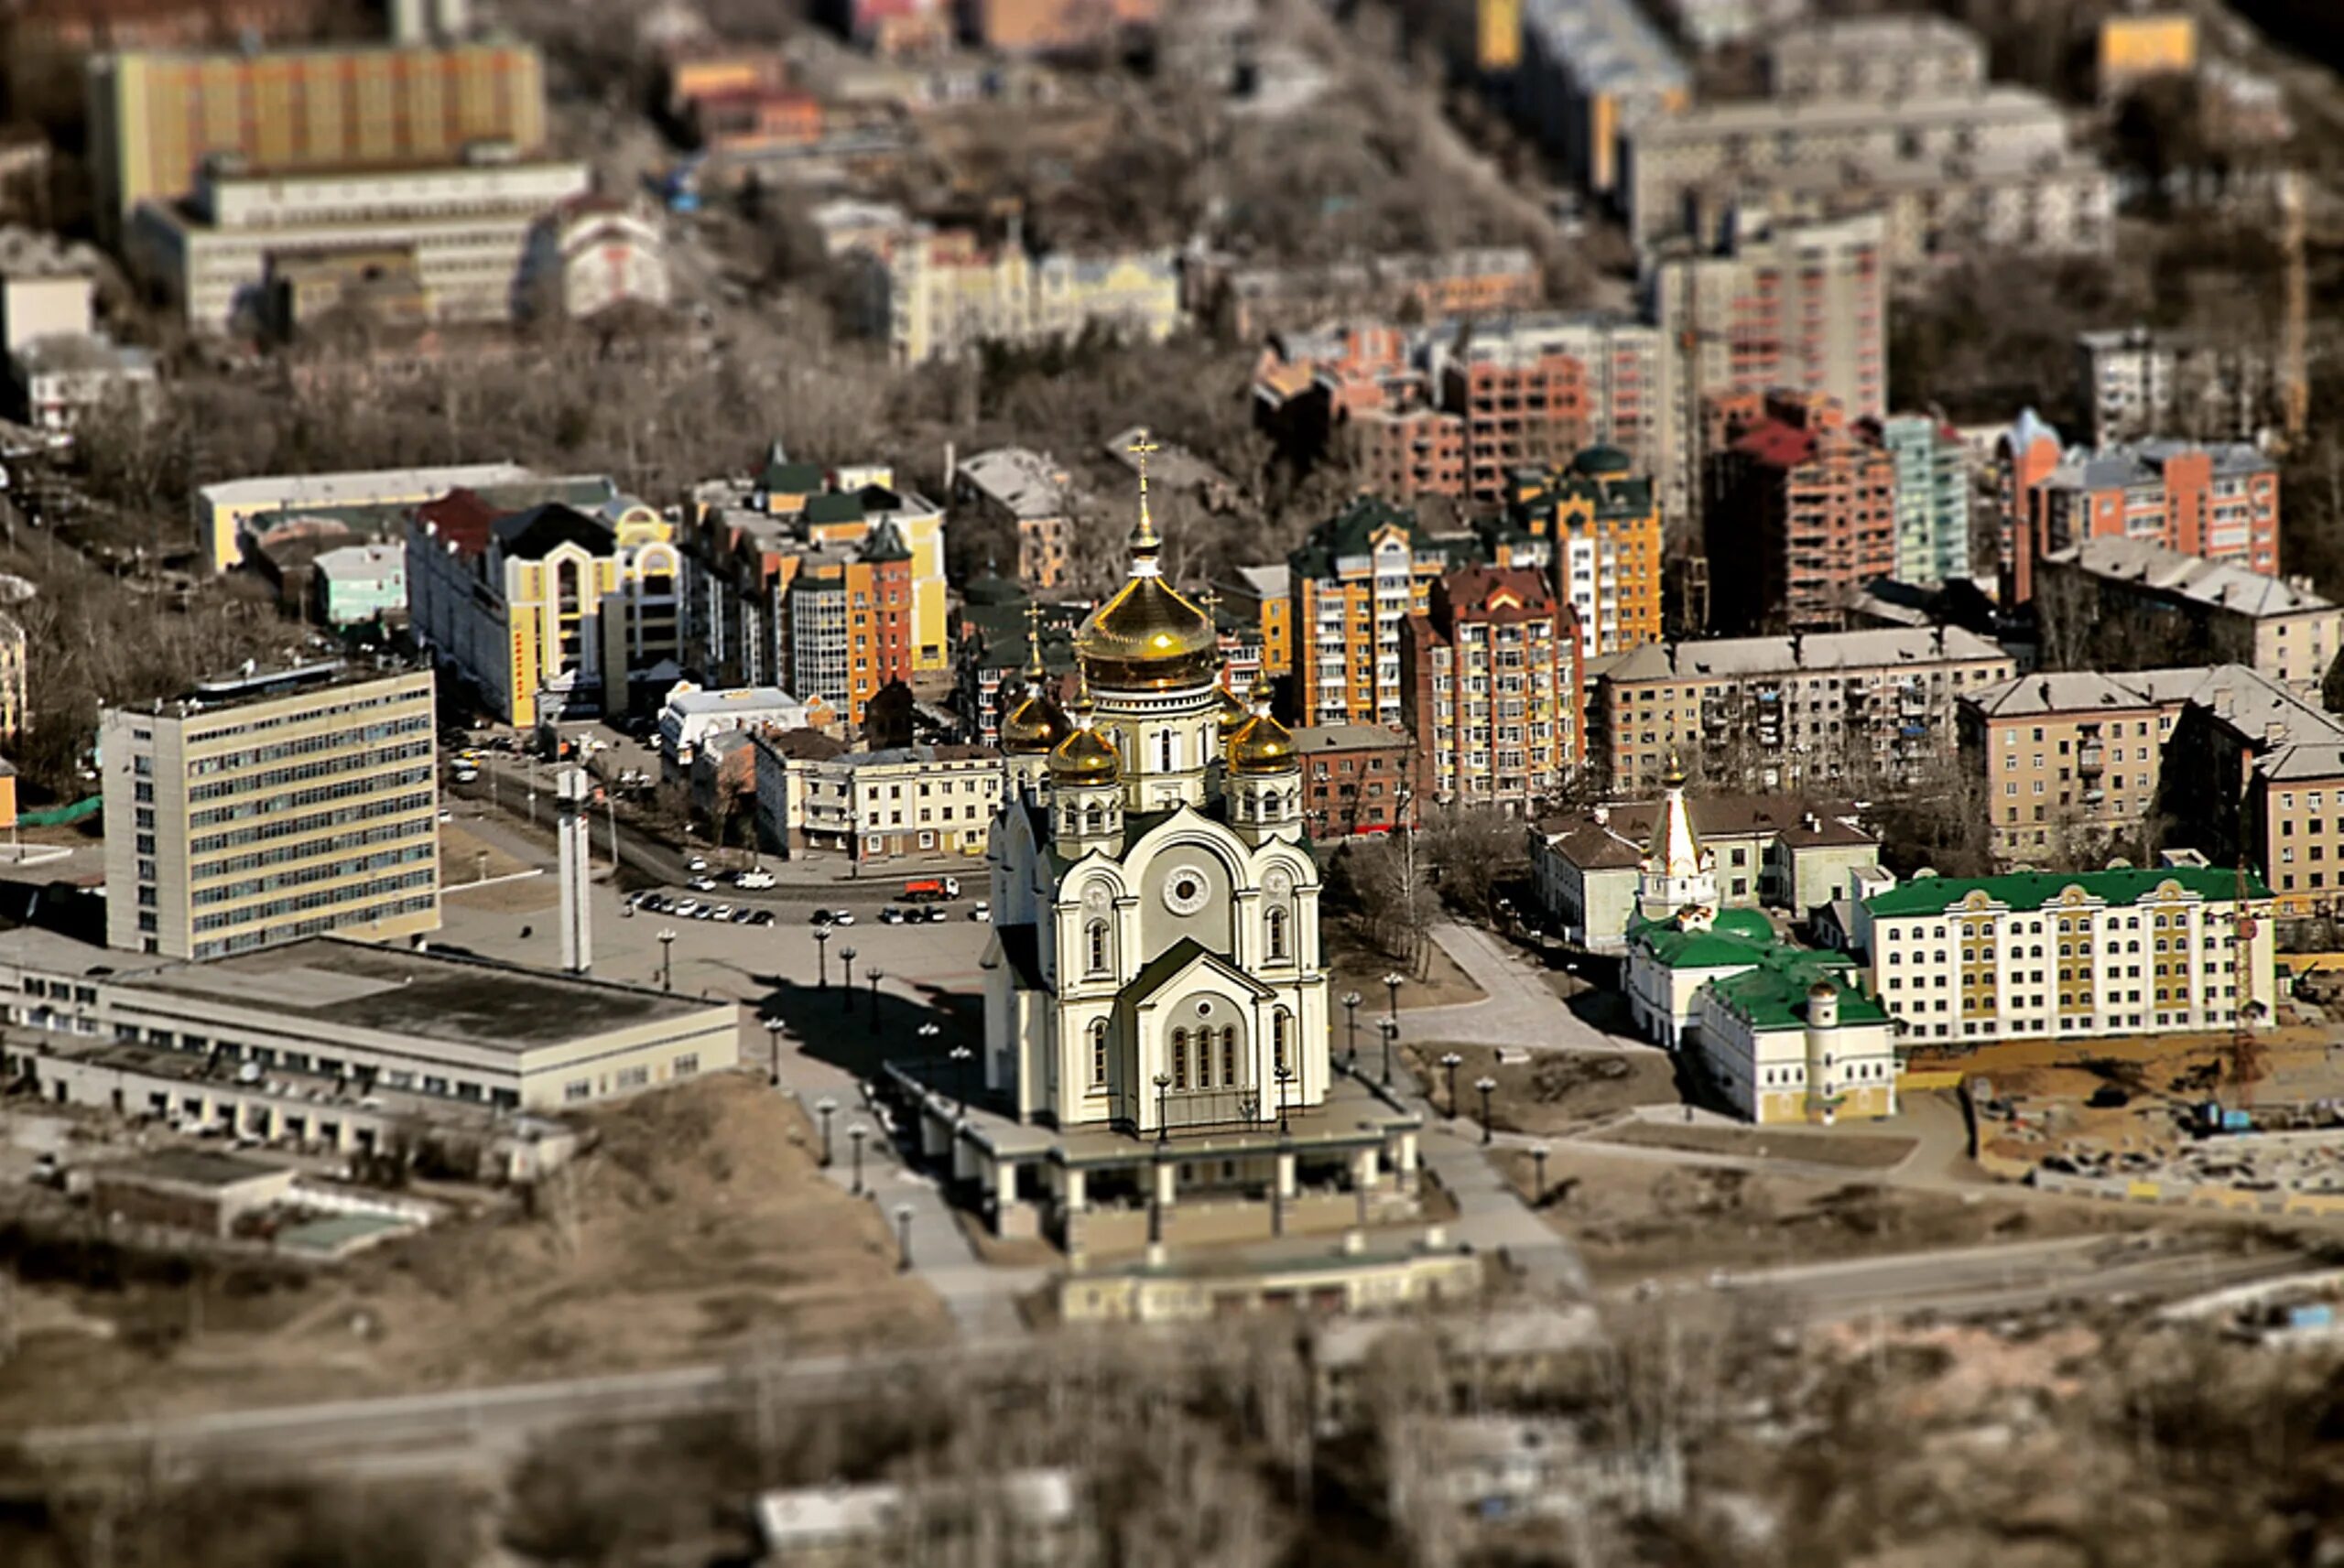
{"x": 1521, "y": 1007}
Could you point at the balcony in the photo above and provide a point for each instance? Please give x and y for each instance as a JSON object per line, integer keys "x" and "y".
{"x": 2091, "y": 760}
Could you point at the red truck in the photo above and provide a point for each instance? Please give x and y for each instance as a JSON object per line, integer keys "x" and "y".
{"x": 931, "y": 890}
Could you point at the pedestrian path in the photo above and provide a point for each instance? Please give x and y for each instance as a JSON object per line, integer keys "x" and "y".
{"x": 1520, "y": 1006}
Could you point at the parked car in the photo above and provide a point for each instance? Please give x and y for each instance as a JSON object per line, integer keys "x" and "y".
{"x": 761, "y": 917}
{"x": 980, "y": 910}
{"x": 891, "y": 915}
{"x": 705, "y": 912}
{"x": 937, "y": 913}
{"x": 696, "y": 863}
{"x": 745, "y": 916}
{"x": 754, "y": 879}
{"x": 842, "y": 917}
{"x": 688, "y": 908}
{"x": 702, "y": 884}
{"x": 822, "y": 917}
{"x": 722, "y": 912}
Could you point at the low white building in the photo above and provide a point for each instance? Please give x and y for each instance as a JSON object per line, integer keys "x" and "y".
{"x": 589, "y": 254}
{"x": 903, "y": 802}
{"x": 691, "y": 714}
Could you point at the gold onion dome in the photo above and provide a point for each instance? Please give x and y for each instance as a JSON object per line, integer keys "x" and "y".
{"x": 1035, "y": 724}
{"x": 1262, "y": 744}
{"x": 1147, "y": 636}
{"x": 1085, "y": 757}
{"x": 1233, "y": 710}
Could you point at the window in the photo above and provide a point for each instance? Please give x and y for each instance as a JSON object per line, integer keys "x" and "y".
{"x": 686, "y": 1064}
{"x": 1276, "y": 922}
{"x": 1281, "y": 1025}
{"x": 1096, "y": 956}
{"x": 1179, "y": 1058}
{"x": 1098, "y": 1054}
{"x": 1229, "y": 1057}
{"x": 578, "y": 1089}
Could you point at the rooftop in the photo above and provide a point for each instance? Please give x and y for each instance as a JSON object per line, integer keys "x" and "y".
{"x": 368, "y": 487}
{"x": 2003, "y": 103}
{"x": 1323, "y": 738}
{"x": 1894, "y": 33}
{"x": 428, "y": 995}
{"x": 2142, "y": 463}
{"x": 256, "y": 685}
{"x": 1727, "y": 658}
{"x": 193, "y": 1168}
{"x": 2215, "y": 584}
{"x": 2249, "y": 703}
{"x": 2033, "y": 890}
{"x": 1028, "y": 483}
{"x": 1776, "y": 992}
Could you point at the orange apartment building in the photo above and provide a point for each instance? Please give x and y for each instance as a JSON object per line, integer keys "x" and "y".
{"x": 2220, "y": 502}
{"x": 1357, "y": 577}
{"x": 154, "y": 117}
{"x": 1491, "y": 678}
{"x": 849, "y": 620}
{"x": 1265, "y": 594}
{"x": 1049, "y": 26}
{"x": 1801, "y": 513}
{"x": 1604, "y": 522}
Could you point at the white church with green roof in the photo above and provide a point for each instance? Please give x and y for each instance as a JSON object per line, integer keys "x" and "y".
{"x": 1783, "y": 1033}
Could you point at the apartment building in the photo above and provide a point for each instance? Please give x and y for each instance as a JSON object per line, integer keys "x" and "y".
{"x": 2115, "y": 603}
{"x": 1932, "y": 495}
{"x": 230, "y": 513}
{"x": 272, "y": 805}
{"x": 1797, "y": 307}
{"x": 1604, "y": 520}
{"x": 748, "y": 537}
{"x": 1356, "y": 578}
{"x": 154, "y": 118}
{"x": 1886, "y": 59}
{"x": 2068, "y": 956}
{"x": 1984, "y": 166}
{"x": 942, "y": 296}
{"x": 1032, "y": 494}
{"x": 1802, "y": 513}
{"x": 461, "y": 230}
{"x": 2137, "y": 383}
{"x": 1785, "y": 713}
{"x": 1265, "y": 594}
{"x": 2220, "y": 502}
{"x": 547, "y": 609}
{"x": 2067, "y": 764}
{"x": 2294, "y": 823}
{"x": 1489, "y": 679}
{"x": 993, "y": 643}
{"x": 903, "y": 802}
{"x": 15, "y": 691}
{"x": 1454, "y": 408}
{"x": 1710, "y": 24}
{"x": 1249, "y": 303}
{"x": 1590, "y": 72}
{"x": 1356, "y": 779}
{"x": 846, "y": 619}
{"x": 2023, "y": 456}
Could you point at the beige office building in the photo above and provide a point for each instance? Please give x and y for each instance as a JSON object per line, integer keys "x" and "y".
{"x": 266, "y": 807}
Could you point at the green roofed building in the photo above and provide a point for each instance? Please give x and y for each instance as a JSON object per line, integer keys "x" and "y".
{"x": 2068, "y": 956}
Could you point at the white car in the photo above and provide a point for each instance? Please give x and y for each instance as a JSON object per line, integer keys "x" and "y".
{"x": 702, "y": 884}
{"x": 843, "y": 917}
{"x": 686, "y": 909}
{"x": 722, "y": 912}
{"x": 754, "y": 879}
{"x": 696, "y": 863}
{"x": 980, "y": 910}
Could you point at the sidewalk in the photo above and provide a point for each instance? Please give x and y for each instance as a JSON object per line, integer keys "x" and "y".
{"x": 1520, "y": 1008}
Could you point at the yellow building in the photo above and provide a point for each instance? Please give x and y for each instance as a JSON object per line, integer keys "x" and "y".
{"x": 948, "y": 293}
{"x": 843, "y": 508}
{"x": 271, "y": 807}
{"x": 1604, "y": 522}
{"x": 548, "y": 610}
{"x": 229, "y": 513}
{"x": 154, "y": 117}
{"x": 2133, "y": 49}
{"x": 1498, "y": 36}
{"x": 1355, "y": 578}
{"x": 1265, "y": 595}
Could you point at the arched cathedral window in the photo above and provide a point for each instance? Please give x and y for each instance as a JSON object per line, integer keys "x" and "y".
{"x": 1179, "y": 1058}
{"x": 1098, "y": 1053}
{"x": 1275, "y": 922}
{"x": 1095, "y": 939}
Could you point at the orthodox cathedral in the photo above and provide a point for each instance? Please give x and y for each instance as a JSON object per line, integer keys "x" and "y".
{"x": 1155, "y": 964}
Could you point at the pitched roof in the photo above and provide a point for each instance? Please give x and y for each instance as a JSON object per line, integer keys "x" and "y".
{"x": 1178, "y": 957}
{"x": 1727, "y": 658}
{"x": 1673, "y": 948}
{"x": 834, "y": 507}
{"x": 2220, "y": 585}
{"x": 1774, "y": 993}
{"x": 532, "y": 535}
{"x": 2033, "y": 890}
{"x": 1351, "y": 532}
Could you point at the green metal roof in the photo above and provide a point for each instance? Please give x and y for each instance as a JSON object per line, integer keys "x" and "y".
{"x": 1674, "y": 948}
{"x": 1773, "y": 994}
{"x": 2033, "y": 890}
{"x": 833, "y": 508}
{"x": 1348, "y": 533}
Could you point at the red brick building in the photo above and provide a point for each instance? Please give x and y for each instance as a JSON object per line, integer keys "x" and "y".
{"x": 1355, "y": 778}
{"x": 1490, "y": 680}
{"x": 1801, "y": 511}
{"x": 2219, "y": 503}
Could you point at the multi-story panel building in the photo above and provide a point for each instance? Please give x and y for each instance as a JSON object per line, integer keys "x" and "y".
{"x": 1604, "y": 522}
{"x": 1802, "y": 513}
{"x": 1356, "y": 778}
{"x": 154, "y": 118}
{"x": 1796, "y": 712}
{"x": 2294, "y": 826}
{"x": 2066, "y": 764}
{"x": 2069, "y": 956}
{"x": 1356, "y": 578}
{"x": 2136, "y": 382}
{"x": 1489, "y": 678}
{"x": 1803, "y": 308}
{"x": 2220, "y": 502}
{"x": 1591, "y": 71}
{"x": 1884, "y": 58}
{"x": 2117, "y": 603}
{"x": 15, "y": 694}
{"x": 1031, "y": 492}
{"x": 462, "y": 231}
{"x": 1933, "y": 492}
{"x": 1982, "y": 167}
{"x": 548, "y": 610}
{"x": 266, "y": 807}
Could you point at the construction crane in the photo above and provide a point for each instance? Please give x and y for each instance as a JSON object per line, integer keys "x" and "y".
{"x": 2246, "y": 1051}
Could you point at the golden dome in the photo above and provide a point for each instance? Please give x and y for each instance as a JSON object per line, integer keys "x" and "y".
{"x": 1085, "y": 757}
{"x": 1147, "y": 636}
{"x": 1262, "y": 745}
{"x": 1233, "y": 710}
{"x": 1035, "y": 724}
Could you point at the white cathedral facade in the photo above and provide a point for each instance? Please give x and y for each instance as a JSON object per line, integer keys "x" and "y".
{"x": 1155, "y": 964}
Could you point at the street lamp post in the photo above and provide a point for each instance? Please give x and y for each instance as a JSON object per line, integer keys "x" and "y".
{"x": 1450, "y": 1062}
{"x": 854, "y": 1136}
{"x": 821, "y": 958}
{"x": 826, "y": 1107}
{"x": 1538, "y": 1175}
{"x": 903, "y": 1239}
{"x": 667, "y": 959}
{"x": 1487, "y": 1086}
{"x": 876, "y": 976}
{"x": 1351, "y": 1026}
{"x": 1162, "y": 1127}
{"x": 1155, "y": 1183}
{"x": 1392, "y": 993}
{"x": 1390, "y": 1031}
{"x": 1283, "y": 1076}
{"x": 846, "y": 987}
{"x": 1278, "y": 1180}
{"x": 772, "y": 1051}
{"x": 961, "y": 1056}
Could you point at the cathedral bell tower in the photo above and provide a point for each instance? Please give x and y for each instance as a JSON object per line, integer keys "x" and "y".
{"x": 1263, "y": 787}
{"x": 1086, "y": 788}
{"x": 1032, "y": 724}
